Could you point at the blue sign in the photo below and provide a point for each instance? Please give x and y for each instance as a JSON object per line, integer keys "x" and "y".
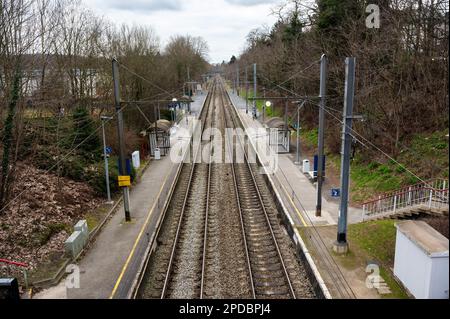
{"x": 108, "y": 150}
{"x": 335, "y": 192}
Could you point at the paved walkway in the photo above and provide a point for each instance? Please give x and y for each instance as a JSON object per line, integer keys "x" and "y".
{"x": 108, "y": 265}
{"x": 295, "y": 186}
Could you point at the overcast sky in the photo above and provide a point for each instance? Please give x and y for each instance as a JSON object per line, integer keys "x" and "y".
{"x": 224, "y": 24}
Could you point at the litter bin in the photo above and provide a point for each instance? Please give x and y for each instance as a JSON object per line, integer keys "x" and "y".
{"x": 306, "y": 166}
{"x": 157, "y": 154}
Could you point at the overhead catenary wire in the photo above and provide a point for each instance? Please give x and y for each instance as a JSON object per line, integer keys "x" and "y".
{"x": 142, "y": 78}
{"x": 367, "y": 143}
{"x": 355, "y": 132}
{"x": 362, "y": 140}
{"x": 346, "y": 290}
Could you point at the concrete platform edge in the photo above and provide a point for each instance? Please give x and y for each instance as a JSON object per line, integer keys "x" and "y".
{"x": 134, "y": 289}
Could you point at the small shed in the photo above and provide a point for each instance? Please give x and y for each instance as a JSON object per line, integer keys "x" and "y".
{"x": 421, "y": 260}
{"x": 279, "y": 134}
{"x": 159, "y": 135}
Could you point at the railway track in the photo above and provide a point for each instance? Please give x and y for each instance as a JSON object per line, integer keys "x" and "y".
{"x": 222, "y": 237}
{"x": 269, "y": 276}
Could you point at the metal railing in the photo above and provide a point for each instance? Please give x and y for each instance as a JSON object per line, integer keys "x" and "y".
{"x": 428, "y": 196}
{"x": 6, "y": 267}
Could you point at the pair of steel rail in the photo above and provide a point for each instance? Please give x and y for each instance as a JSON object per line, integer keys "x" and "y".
{"x": 218, "y": 88}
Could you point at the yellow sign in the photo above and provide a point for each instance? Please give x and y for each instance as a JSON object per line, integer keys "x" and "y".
{"x": 124, "y": 181}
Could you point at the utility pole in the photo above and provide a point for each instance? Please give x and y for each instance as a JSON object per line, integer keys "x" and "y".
{"x": 188, "y": 75}
{"x": 323, "y": 76}
{"x": 105, "y": 155}
{"x": 341, "y": 245}
{"x": 237, "y": 80}
{"x": 246, "y": 89}
{"x": 264, "y": 106}
{"x": 254, "y": 91}
{"x": 286, "y": 131}
{"x": 297, "y": 161}
{"x": 159, "y": 113}
{"x": 189, "y": 88}
{"x": 126, "y": 192}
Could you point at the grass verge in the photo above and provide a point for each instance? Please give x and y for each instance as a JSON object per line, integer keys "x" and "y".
{"x": 376, "y": 241}
{"x": 426, "y": 156}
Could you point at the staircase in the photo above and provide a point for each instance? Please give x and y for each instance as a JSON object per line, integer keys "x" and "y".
{"x": 430, "y": 197}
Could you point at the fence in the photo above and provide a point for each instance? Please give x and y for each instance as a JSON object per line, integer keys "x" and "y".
{"x": 430, "y": 196}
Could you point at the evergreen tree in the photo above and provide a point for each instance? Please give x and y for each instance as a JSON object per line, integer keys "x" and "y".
{"x": 334, "y": 14}
{"x": 84, "y": 132}
{"x": 7, "y": 139}
{"x": 295, "y": 27}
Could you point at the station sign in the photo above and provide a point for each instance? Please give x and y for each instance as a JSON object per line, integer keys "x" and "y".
{"x": 335, "y": 192}
{"x": 124, "y": 181}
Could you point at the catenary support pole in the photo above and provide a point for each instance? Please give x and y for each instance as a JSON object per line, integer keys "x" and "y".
{"x": 286, "y": 127}
{"x": 264, "y": 106}
{"x": 190, "y": 89}
{"x": 237, "y": 80}
{"x": 254, "y": 90}
{"x": 159, "y": 112}
{"x": 341, "y": 244}
{"x": 323, "y": 76}
{"x": 123, "y": 168}
{"x": 246, "y": 89}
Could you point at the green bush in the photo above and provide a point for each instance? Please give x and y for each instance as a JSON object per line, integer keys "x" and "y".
{"x": 441, "y": 146}
{"x": 400, "y": 169}
{"x": 43, "y": 159}
{"x": 73, "y": 168}
{"x": 383, "y": 169}
{"x": 41, "y": 237}
{"x": 166, "y": 115}
{"x": 96, "y": 176}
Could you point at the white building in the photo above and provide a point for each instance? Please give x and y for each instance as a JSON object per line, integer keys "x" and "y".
{"x": 421, "y": 260}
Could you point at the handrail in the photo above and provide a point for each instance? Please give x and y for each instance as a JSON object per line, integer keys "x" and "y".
{"x": 413, "y": 187}
{"x": 406, "y": 192}
{"x": 409, "y": 197}
{"x": 14, "y": 263}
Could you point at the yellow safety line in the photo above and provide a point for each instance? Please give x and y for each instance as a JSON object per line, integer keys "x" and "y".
{"x": 137, "y": 241}
{"x": 295, "y": 207}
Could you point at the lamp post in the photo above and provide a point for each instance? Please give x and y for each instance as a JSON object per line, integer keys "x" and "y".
{"x": 297, "y": 161}
{"x": 105, "y": 155}
{"x": 174, "y": 109}
{"x": 268, "y": 104}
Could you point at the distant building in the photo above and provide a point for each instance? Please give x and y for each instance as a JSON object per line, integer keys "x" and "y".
{"x": 51, "y": 75}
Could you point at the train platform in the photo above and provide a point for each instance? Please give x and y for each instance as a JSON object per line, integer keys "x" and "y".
{"x": 297, "y": 190}
{"x": 109, "y": 267}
